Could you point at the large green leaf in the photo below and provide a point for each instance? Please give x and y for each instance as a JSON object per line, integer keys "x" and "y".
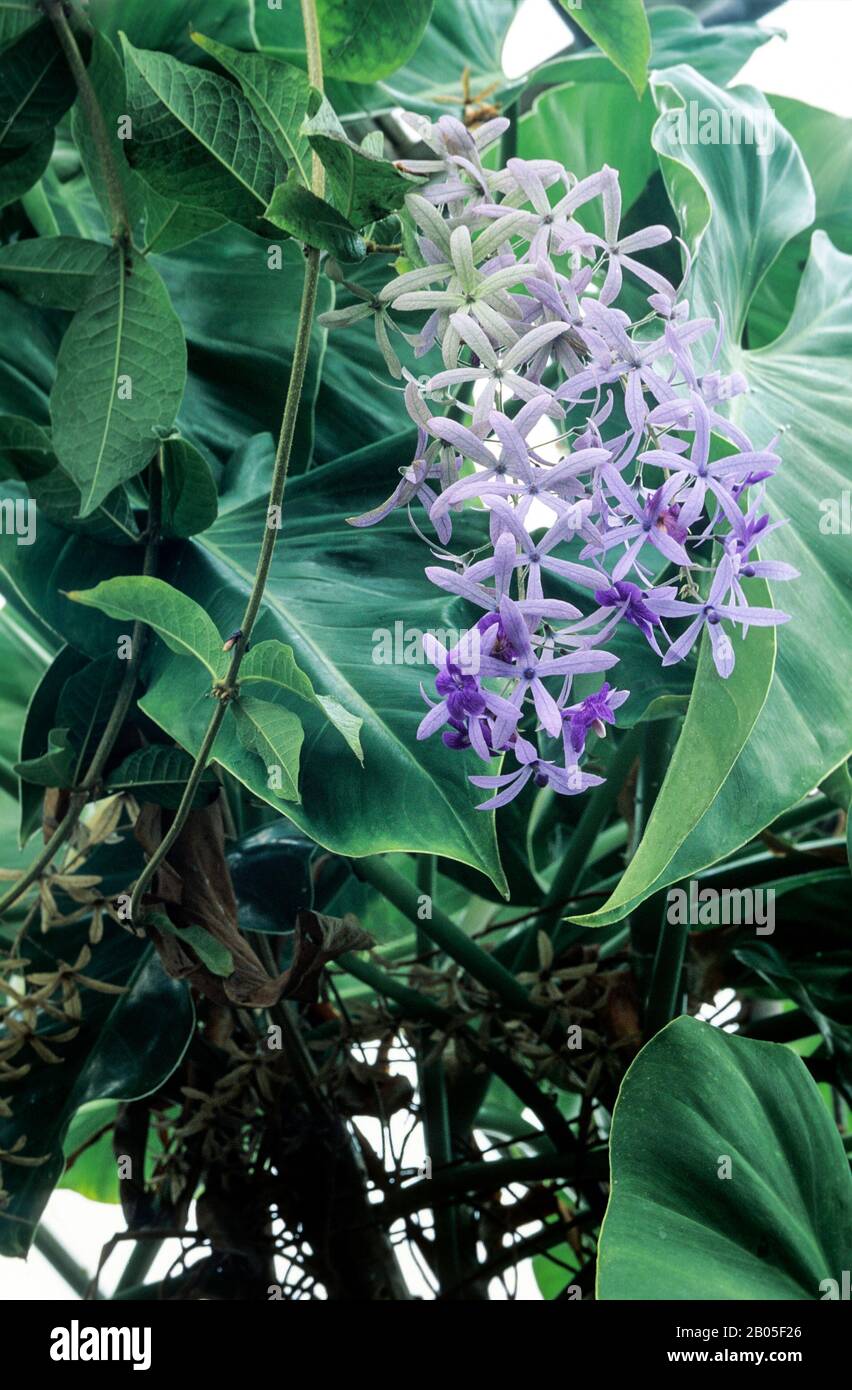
{"x": 20, "y": 169}
{"x": 15, "y": 16}
{"x": 825, "y": 141}
{"x": 238, "y": 301}
{"x": 116, "y": 1054}
{"x": 197, "y": 140}
{"x": 36, "y": 86}
{"x": 677, "y": 36}
{"x": 431, "y": 81}
{"x": 364, "y": 40}
{"x": 330, "y": 588}
{"x": 676, "y": 1227}
{"x": 120, "y": 378}
{"x": 801, "y": 730}
{"x": 620, "y": 30}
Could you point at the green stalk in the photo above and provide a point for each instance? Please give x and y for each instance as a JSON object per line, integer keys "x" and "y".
{"x": 39, "y": 211}
{"x": 435, "y": 1111}
{"x": 443, "y": 932}
{"x": 138, "y": 1266}
{"x": 58, "y": 1257}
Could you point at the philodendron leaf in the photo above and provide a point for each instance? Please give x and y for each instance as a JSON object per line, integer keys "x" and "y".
{"x": 729, "y": 1179}
{"x": 120, "y": 376}
{"x": 56, "y": 272}
{"x": 275, "y": 663}
{"x": 313, "y": 221}
{"x": 620, "y": 30}
{"x": 276, "y": 736}
{"x": 196, "y": 139}
{"x": 801, "y": 387}
{"x": 20, "y": 169}
{"x": 36, "y": 86}
{"x": 26, "y": 449}
{"x": 189, "y": 490}
{"x": 365, "y": 40}
{"x": 279, "y": 93}
{"x": 365, "y": 187}
{"x": 332, "y": 597}
{"x": 17, "y": 15}
{"x": 182, "y": 623}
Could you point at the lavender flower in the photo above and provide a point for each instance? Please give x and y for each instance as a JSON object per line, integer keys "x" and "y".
{"x": 636, "y": 519}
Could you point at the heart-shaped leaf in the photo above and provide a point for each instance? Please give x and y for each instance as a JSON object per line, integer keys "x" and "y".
{"x": 729, "y": 1179}
{"x": 363, "y": 40}
{"x": 802, "y": 385}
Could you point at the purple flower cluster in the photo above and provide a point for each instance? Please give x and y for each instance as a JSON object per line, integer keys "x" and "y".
{"x": 554, "y": 408}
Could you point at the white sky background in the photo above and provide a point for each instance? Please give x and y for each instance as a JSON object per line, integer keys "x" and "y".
{"x": 811, "y": 66}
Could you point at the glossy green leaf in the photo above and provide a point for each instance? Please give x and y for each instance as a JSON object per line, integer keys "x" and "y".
{"x": 57, "y": 272}
{"x": 117, "y": 1054}
{"x": 15, "y": 16}
{"x": 189, "y": 490}
{"x": 620, "y": 30}
{"x": 431, "y": 80}
{"x": 274, "y": 663}
{"x": 364, "y": 40}
{"x": 36, "y": 86}
{"x": 278, "y": 91}
{"x": 238, "y": 301}
{"x": 717, "y": 51}
{"x": 825, "y": 142}
{"x": 26, "y": 449}
{"x": 197, "y": 140}
{"x": 40, "y": 718}
{"x": 676, "y": 1227}
{"x": 185, "y": 627}
{"x": 276, "y": 736}
{"x": 301, "y": 214}
{"x": 333, "y": 593}
{"x": 801, "y": 729}
{"x": 119, "y": 378}
{"x": 20, "y": 169}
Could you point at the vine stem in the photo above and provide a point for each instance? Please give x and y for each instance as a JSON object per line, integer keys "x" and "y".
{"x": 276, "y": 502}
{"x": 94, "y": 115}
